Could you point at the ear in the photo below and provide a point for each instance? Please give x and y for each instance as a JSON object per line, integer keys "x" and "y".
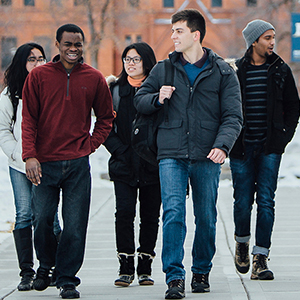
{"x": 57, "y": 44}
{"x": 197, "y": 35}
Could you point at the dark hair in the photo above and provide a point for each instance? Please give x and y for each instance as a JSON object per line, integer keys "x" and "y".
{"x": 194, "y": 20}
{"x": 147, "y": 55}
{"x": 68, "y": 28}
{"x": 16, "y": 73}
{"x": 249, "y": 51}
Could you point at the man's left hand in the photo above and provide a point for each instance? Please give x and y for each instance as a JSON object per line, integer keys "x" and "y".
{"x": 217, "y": 155}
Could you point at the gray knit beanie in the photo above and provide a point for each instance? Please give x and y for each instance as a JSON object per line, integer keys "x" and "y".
{"x": 254, "y": 30}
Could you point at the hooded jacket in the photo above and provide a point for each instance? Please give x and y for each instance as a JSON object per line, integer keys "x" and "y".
{"x": 204, "y": 116}
{"x": 57, "y": 109}
{"x": 125, "y": 165}
{"x": 10, "y": 132}
{"x": 282, "y": 106}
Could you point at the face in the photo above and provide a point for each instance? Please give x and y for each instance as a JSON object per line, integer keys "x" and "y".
{"x": 70, "y": 48}
{"x": 265, "y": 45}
{"x": 134, "y": 70}
{"x": 183, "y": 38}
{"x": 35, "y": 59}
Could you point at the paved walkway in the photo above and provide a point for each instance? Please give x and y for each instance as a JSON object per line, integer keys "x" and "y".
{"x": 100, "y": 265}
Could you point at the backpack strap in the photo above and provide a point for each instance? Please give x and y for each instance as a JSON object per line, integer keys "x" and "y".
{"x": 169, "y": 80}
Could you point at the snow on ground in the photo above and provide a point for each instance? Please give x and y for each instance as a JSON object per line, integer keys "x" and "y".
{"x": 288, "y": 176}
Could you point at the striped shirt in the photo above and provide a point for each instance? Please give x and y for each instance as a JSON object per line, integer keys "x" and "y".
{"x": 256, "y": 103}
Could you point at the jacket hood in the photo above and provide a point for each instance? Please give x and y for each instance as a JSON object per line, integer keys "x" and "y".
{"x": 111, "y": 80}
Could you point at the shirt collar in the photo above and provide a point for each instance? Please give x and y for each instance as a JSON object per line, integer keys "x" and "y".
{"x": 198, "y": 63}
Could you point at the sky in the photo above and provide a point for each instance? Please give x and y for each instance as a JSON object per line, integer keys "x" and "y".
{"x": 288, "y": 176}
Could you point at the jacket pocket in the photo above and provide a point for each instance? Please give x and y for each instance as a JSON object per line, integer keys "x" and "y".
{"x": 169, "y": 135}
{"x": 207, "y": 134}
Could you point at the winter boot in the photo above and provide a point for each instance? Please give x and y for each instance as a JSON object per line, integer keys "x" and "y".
{"x": 24, "y": 248}
{"x": 144, "y": 269}
{"x": 126, "y": 272}
{"x": 260, "y": 269}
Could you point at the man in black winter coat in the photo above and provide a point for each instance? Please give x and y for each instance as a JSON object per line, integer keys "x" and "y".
{"x": 271, "y": 111}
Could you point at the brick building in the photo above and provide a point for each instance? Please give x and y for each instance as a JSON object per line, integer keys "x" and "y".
{"x": 110, "y": 25}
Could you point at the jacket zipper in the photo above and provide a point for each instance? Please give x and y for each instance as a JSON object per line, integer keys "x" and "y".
{"x": 68, "y": 84}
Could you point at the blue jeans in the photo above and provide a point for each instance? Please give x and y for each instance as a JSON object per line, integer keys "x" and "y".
{"x": 22, "y": 193}
{"x": 73, "y": 178}
{"x": 204, "y": 179}
{"x": 256, "y": 174}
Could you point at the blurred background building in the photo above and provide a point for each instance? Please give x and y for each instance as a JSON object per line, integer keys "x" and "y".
{"x": 110, "y": 25}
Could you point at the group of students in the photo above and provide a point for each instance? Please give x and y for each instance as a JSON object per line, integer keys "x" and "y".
{"x": 247, "y": 112}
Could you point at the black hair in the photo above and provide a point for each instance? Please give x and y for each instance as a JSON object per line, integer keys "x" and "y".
{"x": 249, "y": 51}
{"x": 194, "y": 20}
{"x": 16, "y": 73}
{"x": 147, "y": 55}
{"x": 68, "y": 28}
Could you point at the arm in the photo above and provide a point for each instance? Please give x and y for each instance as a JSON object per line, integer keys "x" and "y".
{"x": 8, "y": 142}
{"x": 103, "y": 109}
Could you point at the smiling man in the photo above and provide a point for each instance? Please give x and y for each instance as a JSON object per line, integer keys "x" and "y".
{"x": 271, "y": 109}
{"x": 56, "y": 140}
{"x": 205, "y": 118}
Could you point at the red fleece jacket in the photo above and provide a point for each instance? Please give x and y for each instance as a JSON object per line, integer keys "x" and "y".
{"x": 57, "y": 112}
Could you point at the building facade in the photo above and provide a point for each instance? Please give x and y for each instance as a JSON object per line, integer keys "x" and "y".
{"x": 110, "y": 25}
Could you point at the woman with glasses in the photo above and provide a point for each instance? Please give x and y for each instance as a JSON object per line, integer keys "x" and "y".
{"x": 27, "y": 57}
{"x": 132, "y": 176}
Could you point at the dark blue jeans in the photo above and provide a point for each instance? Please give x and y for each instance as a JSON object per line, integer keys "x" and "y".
{"x": 204, "y": 179}
{"x": 256, "y": 174}
{"x": 73, "y": 178}
{"x": 150, "y": 202}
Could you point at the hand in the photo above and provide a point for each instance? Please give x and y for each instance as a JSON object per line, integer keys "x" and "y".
{"x": 165, "y": 91}
{"x": 217, "y": 155}
{"x": 33, "y": 171}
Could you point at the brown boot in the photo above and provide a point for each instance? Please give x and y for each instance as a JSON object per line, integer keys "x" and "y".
{"x": 260, "y": 268}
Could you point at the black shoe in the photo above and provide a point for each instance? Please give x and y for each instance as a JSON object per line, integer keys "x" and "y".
{"x": 68, "y": 291}
{"x": 144, "y": 269}
{"x": 126, "y": 271}
{"x": 200, "y": 283}
{"x": 42, "y": 280}
{"x": 260, "y": 268}
{"x": 242, "y": 259}
{"x": 26, "y": 283}
{"x": 175, "y": 289}
{"x": 53, "y": 277}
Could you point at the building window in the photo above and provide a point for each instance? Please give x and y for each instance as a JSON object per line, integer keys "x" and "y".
{"x": 29, "y": 2}
{"x": 139, "y": 39}
{"x": 8, "y": 48}
{"x": 5, "y": 2}
{"x": 134, "y": 3}
{"x": 168, "y": 3}
{"x": 216, "y": 3}
{"x": 46, "y": 43}
{"x": 128, "y": 40}
{"x": 78, "y": 2}
{"x": 251, "y": 2}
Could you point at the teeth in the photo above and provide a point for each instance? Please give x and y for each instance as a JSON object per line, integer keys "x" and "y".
{"x": 72, "y": 55}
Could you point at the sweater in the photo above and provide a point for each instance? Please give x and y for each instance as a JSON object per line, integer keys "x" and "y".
{"x": 57, "y": 112}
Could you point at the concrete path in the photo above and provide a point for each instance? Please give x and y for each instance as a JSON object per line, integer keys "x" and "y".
{"x": 100, "y": 266}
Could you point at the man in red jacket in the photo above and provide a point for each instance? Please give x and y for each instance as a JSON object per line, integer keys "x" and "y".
{"x": 57, "y": 104}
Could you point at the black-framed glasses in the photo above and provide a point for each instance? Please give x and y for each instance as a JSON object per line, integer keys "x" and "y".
{"x": 34, "y": 60}
{"x": 135, "y": 59}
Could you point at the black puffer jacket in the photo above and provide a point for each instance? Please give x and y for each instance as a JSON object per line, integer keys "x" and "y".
{"x": 204, "y": 116}
{"x": 125, "y": 165}
{"x": 282, "y": 106}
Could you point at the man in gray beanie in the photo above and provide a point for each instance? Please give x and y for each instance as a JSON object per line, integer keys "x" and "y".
{"x": 271, "y": 111}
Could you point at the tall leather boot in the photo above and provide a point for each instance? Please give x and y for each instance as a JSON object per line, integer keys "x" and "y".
{"x": 126, "y": 272}
{"x": 24, "y": 248}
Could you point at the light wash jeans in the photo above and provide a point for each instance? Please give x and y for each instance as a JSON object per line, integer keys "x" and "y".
{"x": 257, "y": 173}
{"x": 204, "y": 179}
{"x": 22, "y": 189}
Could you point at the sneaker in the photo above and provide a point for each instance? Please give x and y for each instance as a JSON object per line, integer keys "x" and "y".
{"x": 260, "y": 269}
{"x": 42, "y": 280}
{"x": 53, "y": 277}
{"x": 175, "y": 289}
{"x": 68, "y": 291}
{"x": 200, "y": 283}
{"x": 124, "y": 280}
{"x": 242, "y": 259}
{"x": 26, "y": 283}
{"x": 145, "y": 280}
